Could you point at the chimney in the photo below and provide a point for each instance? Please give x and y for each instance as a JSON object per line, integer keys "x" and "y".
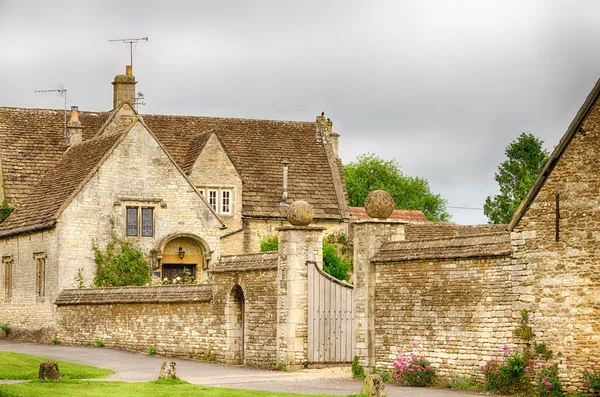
{"x": 334, "y": 138}
{"x": 75, "y": 130}
{"x": 284, "y": 197}
{"x": 124, "y": 88}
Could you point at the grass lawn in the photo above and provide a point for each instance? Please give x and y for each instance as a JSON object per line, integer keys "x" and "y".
{"x": 116, "y": 389}
{"x": 25, "y": 366}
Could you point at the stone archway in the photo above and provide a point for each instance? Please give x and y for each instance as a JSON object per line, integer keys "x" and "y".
{"x": 183, "y": 254}
{"x": 235, "y": 317}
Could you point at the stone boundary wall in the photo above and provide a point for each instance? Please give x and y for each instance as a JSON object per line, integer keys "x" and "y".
{"x": 176, "y": 320}
{"x": 459, "y": 312}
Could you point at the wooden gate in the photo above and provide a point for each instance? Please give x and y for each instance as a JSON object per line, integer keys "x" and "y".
{"x": 329, "y": 318}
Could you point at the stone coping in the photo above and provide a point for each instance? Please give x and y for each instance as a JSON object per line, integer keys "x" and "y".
{"x": 144, "y": 294}
{"x": 247, "y": 262}
{"x": 307, "y": 228}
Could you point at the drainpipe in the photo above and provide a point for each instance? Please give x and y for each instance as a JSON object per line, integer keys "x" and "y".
{"x": 284, "y": 197}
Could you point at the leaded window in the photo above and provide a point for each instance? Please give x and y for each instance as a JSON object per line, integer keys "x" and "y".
{"x": 147, "y": 222}
{"x": 132, "y": 221}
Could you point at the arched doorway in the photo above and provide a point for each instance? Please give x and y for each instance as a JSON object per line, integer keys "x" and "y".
{"x": 183, "y": 257}
{"x": 235, "y": 314}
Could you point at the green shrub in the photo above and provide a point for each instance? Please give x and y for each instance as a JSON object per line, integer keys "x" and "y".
{"x": 55, "y": 341}
{"x": 547, "y": 383}
{"x": 463, "y": 383}
{"x": 269, "y": 244}
{"x": 151, "y": 350}
{"x": 98, "y": 343}
{"x": 591, "y": 378}
{"x": 507, "y": 376}
{"x": 120, "y": 264}
{"x": 358, "y": 372}
{"x": 334, "y": 264}
{"x": 5, "y": 327}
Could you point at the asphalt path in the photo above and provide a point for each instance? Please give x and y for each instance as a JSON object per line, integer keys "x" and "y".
{"x": 138, "y": 367}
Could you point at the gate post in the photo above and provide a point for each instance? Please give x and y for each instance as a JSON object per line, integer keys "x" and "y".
{"x": 297, "y": 246}
{"x": 369, "y": 236}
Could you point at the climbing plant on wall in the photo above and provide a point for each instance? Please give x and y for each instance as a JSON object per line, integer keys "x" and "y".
{"x": 120, "y": 264}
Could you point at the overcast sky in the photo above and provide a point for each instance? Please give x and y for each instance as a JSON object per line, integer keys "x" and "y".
{"x": 442, "y": 86}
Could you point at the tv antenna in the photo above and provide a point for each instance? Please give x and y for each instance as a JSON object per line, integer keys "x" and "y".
{"x": 130, "y": 42}
{"x": 62, "y": 92}
{"x": 139, "y": 101}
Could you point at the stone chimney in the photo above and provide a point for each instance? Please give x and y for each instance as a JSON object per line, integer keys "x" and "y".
{"x": 334, "y": 138}
{"x": 124, "y": 88}
{"x": 74, "y": 128}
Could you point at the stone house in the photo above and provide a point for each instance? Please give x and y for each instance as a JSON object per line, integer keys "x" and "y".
{"x": 188, "y": 190}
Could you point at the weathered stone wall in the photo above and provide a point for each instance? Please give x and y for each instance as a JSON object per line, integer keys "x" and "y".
{"x": 137, "y": 173}
{"x": 560, "y": 280}
{"x": 260, "y": 293}
{"x": 177, "y": 320}
{"x": 459, "y": 312}
{"x": 29, "y": 316}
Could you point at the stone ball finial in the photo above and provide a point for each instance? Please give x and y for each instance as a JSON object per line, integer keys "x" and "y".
{"x": 300, "y": 213}
{"x": 379, "y": 204}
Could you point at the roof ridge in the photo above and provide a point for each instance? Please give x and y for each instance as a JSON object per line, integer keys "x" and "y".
{"x": 228, "y": 118}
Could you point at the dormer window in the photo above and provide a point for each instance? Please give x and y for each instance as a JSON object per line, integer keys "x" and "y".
{"x": 220, "y": 199}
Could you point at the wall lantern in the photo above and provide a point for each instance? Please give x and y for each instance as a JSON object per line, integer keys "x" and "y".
{"x": 181, "y": 253}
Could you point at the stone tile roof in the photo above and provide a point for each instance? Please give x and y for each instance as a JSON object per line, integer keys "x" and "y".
{"x": 574, "y": 127}
{"x": 63, "y": 178}
{"x": 247, "y": 262}
{"x": 257, "y": 148}
{"x": 403, "y": 215}
{"x": 154, "y": 294}
{"x": 31, "y": 141}
{"x": 469, "y": 246}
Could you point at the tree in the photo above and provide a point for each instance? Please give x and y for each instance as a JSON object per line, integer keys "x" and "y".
{"x": 120, "y": 264}
{"x": 370, "y": 172}
{"x": 515, "y": 177}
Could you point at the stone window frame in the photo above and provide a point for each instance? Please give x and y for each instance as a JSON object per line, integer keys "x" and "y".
{"x": 7, "y": 264}
{"x": 140, "y": 220}
{"x": 39, "y": 259}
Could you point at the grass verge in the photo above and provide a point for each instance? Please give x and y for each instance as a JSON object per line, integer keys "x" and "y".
{"x": 116, "y": 389}
{"x": 19, "y": 366}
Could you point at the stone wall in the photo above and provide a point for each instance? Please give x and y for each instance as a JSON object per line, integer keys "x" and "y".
{"x": 459, "y": 312}
{"x": 184, "y": 320}
{"x": 177, "y": 320}
{"x": 29, "y": 316}
{"x": 559, "y": 280}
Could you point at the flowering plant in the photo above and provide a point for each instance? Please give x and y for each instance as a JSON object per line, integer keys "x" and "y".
{"x": 506, "y": 376}
{"x": 413, "y": 370}
{"x": 591, "y": 378}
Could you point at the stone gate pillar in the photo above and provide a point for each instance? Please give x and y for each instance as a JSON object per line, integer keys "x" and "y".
{"x": 369, "y": 236}
{"x": 297, "y": 246}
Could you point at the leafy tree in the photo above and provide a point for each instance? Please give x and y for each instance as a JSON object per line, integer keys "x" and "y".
{"x": 120, "y": 264}
{"x": 269, "y": 244}
{"x": 334, "y": 264}
{"x": 370, "y": 172}
{"x": 525, "y": 160}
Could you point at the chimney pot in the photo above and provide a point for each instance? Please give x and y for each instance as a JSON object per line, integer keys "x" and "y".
{"x": 128, "y": 70}
{"x": 74, "y": 113}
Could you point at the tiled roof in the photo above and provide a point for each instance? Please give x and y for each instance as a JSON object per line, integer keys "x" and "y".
{"x": 155, "y": 294}
{"x": 257, "y": 148}
{"x": 403, "y": 215}
{"x": 39, "y": 208}
{"x": 32, "y": 140}
{"x": 247, "y": 262}
{"x": 483, "y": 245}
{"x": 33, "y": 145}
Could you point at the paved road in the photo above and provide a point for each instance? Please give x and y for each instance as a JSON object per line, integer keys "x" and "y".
{"x": 137, "y": 367}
